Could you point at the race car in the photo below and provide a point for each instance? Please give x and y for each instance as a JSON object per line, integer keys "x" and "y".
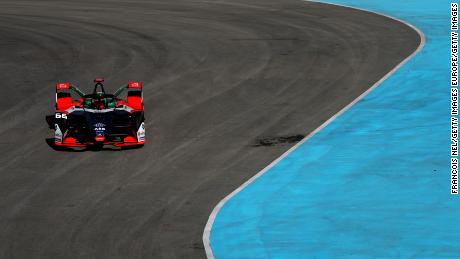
{"x": 98, "y": 119}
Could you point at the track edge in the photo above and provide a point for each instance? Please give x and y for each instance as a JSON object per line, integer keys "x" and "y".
{"x": 218, "y": 207}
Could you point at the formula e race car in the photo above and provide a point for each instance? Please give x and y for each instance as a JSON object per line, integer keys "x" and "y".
{"x": 98, "y": 119}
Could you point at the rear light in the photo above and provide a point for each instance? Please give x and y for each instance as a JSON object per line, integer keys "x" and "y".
{"x": 100, "y": 138}
{"x": 129, "y": 139}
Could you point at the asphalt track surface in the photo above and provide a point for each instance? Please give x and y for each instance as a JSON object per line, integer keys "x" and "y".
{"x": 218, "y": 75}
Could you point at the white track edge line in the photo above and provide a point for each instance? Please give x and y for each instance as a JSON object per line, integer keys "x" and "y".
{"x": 215, "y": 211}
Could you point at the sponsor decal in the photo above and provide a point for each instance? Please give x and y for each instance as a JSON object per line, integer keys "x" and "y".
{"x": 60, "y": 86}
{"x": 99, "y": 128}
{"x": 141, "y": 133}
{"x": 134, "y": 85}
{"x": 57, "y": 133}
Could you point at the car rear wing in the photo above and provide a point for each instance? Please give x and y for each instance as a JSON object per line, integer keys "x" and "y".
{"x": 134, "y": 96}
{"x": 64, "y": 97}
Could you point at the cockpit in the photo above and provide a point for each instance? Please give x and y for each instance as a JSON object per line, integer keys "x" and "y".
{"x": 99, "y": 100}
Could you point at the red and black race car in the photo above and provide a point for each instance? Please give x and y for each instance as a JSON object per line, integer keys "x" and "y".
{"x": 98, "y": 119}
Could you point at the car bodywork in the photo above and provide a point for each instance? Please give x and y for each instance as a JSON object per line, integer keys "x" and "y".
{"x": 98, "y": 119}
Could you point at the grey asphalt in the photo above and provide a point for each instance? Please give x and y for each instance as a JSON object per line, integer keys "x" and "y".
{"x": 218, "y": 77}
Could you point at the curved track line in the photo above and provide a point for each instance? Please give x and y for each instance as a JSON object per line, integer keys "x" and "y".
{"x": 215, "y": 211}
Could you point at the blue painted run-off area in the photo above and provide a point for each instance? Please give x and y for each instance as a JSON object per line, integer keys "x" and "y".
{"x": 375, "y": 183}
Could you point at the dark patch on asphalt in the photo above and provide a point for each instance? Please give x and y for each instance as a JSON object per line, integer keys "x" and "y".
{"x": 197, "y": 246}
{"x": 272, "y": 141}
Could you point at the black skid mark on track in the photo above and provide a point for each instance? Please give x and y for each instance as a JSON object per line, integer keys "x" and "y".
{"x": 278, "y": 140}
